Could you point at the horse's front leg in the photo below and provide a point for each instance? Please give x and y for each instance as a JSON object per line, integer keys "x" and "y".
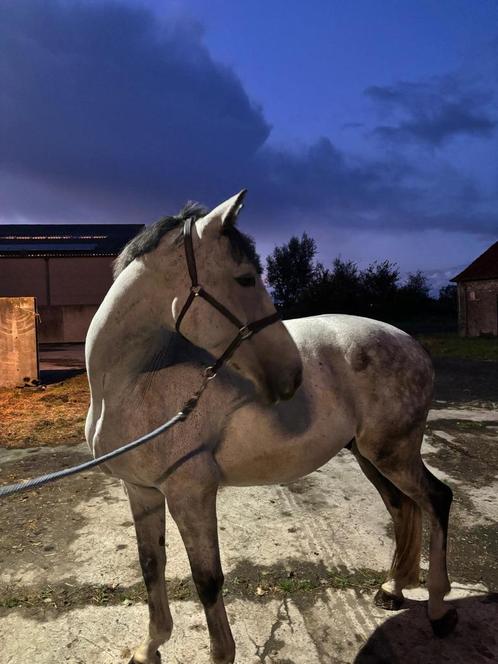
{"x": 148, "y": 510}
{"x": 192, "y": 504}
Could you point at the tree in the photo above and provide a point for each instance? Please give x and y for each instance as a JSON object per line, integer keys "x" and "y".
{"x": 303, "y": 287}
{"x": 417, "y": 284}
{"x": 336, "y": 290}
{"x": 448, "y": 299}
{"x": 414, "y": 297}
{"x": 291, "y": 270}
{"x": 347, "y": 287}
{"x": 380, "y": 285}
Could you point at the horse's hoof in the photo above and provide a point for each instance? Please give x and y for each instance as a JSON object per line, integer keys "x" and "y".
{"x": 385, "y": 600}
{"x": 445, "y": 625}
{"x": 157, "y": 659}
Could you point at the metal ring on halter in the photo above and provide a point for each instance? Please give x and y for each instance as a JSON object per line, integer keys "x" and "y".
{"x": 245, "y": 332}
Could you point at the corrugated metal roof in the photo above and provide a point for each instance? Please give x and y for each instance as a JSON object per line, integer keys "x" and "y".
{"x": 65, "y": 239}
{"x": 484, "y": 267}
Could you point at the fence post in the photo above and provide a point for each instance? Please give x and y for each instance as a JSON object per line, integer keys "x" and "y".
{"x": 18, "y": 342}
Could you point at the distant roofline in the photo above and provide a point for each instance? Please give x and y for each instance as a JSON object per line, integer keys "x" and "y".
{"x": 458, "y": 279}
{"x": 88, "y": 225}
{"x": 483, "y": 268}
{"x": 7, "y": 230}
{"x": 62, "y": 240}
{"x": 53, "y": 237}
{"x": 56, "y": 254}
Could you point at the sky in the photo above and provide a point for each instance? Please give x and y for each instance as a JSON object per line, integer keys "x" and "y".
{"x": 372, "y": 126}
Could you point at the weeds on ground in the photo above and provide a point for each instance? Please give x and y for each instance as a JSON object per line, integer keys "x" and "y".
{"x": 65, "y": 596}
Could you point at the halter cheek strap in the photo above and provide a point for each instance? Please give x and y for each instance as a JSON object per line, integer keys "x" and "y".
{"x": 196, "y": 290}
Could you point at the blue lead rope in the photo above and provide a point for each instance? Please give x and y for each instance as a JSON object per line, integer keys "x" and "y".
{"x": 36, "y": 482}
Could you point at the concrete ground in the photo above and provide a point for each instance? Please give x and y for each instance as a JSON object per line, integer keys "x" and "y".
{"x": 301, "y": 563}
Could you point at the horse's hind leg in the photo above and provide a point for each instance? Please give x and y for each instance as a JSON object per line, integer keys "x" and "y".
{"x": 148, "y": 510}
{"x": 406, "y": 515}
{"x": 401, "y": 463}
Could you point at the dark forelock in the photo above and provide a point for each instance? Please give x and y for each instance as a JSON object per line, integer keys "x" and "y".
{"x": 148, "y": 239}
{"x": 242, "y": 246}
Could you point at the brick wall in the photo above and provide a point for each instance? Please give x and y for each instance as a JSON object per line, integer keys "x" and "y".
{"x": 478, "y": 308}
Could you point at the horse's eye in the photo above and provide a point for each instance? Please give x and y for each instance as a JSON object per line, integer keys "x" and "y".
{"x": 246, "y": 281}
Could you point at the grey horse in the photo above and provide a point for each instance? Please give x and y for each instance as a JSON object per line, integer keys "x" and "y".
{"x": 292, "y": 396}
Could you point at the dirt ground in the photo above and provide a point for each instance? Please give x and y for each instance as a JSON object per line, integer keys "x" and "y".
{"x": 302, "y": 562}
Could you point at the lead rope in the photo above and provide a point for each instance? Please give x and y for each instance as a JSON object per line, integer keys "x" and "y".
{"x": 181, "y": 416}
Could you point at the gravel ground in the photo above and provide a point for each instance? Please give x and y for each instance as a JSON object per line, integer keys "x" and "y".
{"x": 301, "y": 562}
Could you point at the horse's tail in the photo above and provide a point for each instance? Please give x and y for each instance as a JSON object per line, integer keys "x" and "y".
{"x": 405, "y": 567}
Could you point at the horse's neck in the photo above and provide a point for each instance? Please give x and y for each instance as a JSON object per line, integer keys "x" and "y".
{"x": 130, "y": 327}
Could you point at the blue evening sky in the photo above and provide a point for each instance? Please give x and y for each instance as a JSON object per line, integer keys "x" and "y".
{"x": 373, "y": 126}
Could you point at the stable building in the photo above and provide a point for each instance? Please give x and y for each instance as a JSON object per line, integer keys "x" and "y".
{"x": 67, "y": 268}
{"x": 478, "y": 296}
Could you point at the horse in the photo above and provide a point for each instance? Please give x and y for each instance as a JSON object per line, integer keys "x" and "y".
{"x": 287, "y": 397}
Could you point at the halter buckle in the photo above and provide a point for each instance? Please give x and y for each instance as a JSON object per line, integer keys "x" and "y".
{"x": 245, "y": 332}
{"x": 209, "y": 373}
{"x": 196, "y": 290}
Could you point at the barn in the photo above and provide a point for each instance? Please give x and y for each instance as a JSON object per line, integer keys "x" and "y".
{"x": 478, "y": 296}
{"x": 67, "y": 268}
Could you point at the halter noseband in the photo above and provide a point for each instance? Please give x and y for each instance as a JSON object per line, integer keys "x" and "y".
{"x": 196, "y": 290}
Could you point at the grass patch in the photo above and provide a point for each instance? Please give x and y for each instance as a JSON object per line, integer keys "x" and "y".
{"x": 362, "y": 579}
{"x": 289, "y": 586}
{"x": 34, "y": 417}
{"x": 66, "y": 596}
{"x": 303, "y": 579}
{"x": 469, "y": 348}
{"x": 473, "y": 425}
{"x": 477, "y": 426}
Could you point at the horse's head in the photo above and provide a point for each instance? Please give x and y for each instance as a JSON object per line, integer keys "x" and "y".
{"x": 228, "y": 270}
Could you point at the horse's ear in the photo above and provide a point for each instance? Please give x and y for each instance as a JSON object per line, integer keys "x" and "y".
{"x": 232, "y": 207}
{"x": 223, "y": 215}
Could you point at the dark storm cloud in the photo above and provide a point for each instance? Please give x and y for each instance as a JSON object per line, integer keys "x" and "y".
{"x": 433, "y": 112}
{"x": 109, "y": 114}
{"x": 108, "y": 104}
{"x": 105, "y": 97}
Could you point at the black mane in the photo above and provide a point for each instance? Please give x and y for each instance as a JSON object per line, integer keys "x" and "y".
{"x": 242, "y": 246}
{"x": 148, "y": 239}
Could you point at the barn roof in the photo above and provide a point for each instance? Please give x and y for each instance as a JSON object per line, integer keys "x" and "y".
{"x": 484, "y": 267}
{"x": 33, "y": 240}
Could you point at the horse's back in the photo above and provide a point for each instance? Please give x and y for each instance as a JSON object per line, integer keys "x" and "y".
{"x": 387, "y": 373}
{"x": 363, "y": 343}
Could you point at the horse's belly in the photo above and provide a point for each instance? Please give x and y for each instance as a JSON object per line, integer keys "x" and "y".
{"x": 283, "y": 442}
{"x": 276, "y": 464}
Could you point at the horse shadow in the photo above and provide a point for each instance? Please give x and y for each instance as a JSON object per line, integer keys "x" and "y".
{"x": 407, "y": 637}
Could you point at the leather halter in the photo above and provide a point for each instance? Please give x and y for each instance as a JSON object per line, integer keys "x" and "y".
{"x": 196, "y": 290}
